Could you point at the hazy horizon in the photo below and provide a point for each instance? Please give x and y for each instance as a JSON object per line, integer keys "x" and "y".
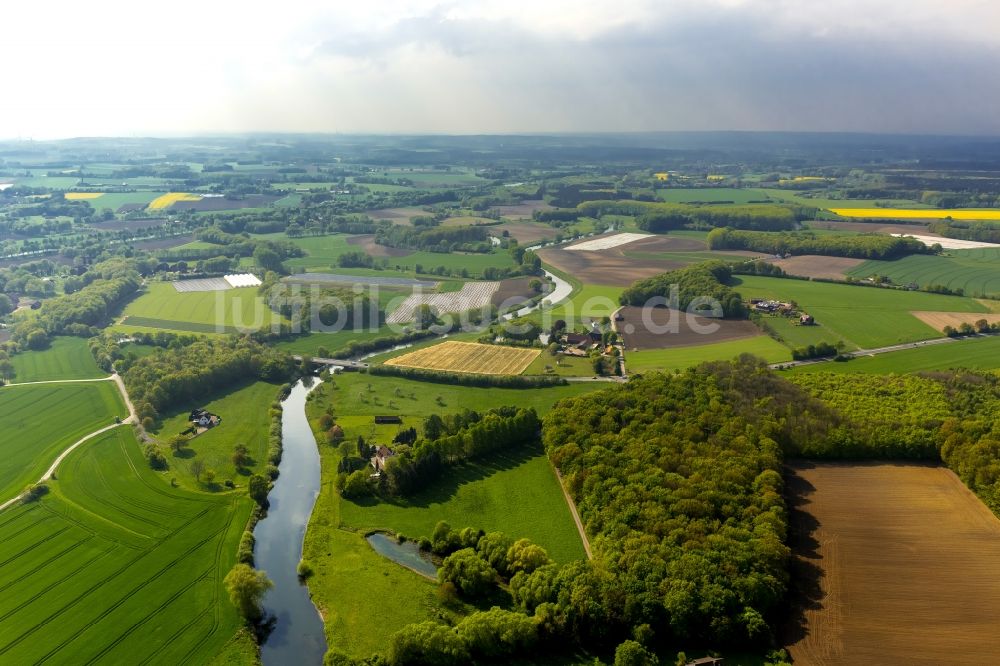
{"x": 410, "y": 67}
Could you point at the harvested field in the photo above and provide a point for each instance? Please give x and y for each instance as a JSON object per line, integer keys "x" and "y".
{"x": 469, "y": 357}
{"x": 513, "y": 292}
{"x": 524, "y": 210}
{"x": 950, "y": 243}
{"x": 472, "y": 296}
{"x": 816, "y": 266}
{"x": 870, "y": 227}
{"x": 641, "y": 332}
{"x": 526, "y": 233}
{"x": 938, "y": 320}
{"x": 614, "y": 268}
{"x": 366, "y": 243}
{"x": 607, "y": 242}
{"x": 894, "y": 564}
{"x": 396, "y": 215}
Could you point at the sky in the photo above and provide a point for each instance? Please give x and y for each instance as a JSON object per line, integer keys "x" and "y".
{"x": 111, "y": 68}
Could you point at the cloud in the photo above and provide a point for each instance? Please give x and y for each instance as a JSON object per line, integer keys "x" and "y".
{"x": 515, "y": 66}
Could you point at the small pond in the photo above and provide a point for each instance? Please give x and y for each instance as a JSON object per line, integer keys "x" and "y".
{"x": 407, "y": 553}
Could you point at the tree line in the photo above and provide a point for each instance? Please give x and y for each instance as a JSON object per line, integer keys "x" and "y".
{"x": 865, "y": 246}
{"x": 185, "y": 375}
{"x": 693, "y": 283}
{"x": 657, "y": 217}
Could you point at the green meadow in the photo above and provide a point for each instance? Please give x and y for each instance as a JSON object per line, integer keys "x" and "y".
{"x": 516, "y": 492}
{"x": 976, "y": 272}
{"x": 679, "y": 358}
{"x": 65, "y": 358}
{"x": 245, "y": 420}
{"x": 163, "y": 307}
{"x": 863, "y": 317}
{"x": 114, "y": 566}
{"x": 41, "y": 421}
{"x": 977, "y": 353}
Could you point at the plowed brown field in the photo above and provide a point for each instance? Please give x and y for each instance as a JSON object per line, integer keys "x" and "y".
{"x": 894, "y": 564}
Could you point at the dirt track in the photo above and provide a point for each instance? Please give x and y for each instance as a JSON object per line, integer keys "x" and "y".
{"x": 895, "y": 564}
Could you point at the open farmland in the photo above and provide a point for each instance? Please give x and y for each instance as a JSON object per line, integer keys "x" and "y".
{"x": 950, "y": 243}
{"x": 468, "y": 357}
{"x": 976, "y": 272}
{"x": 939, "y": 320}
{"x": 65, "y": 358}
{"x": 919, "y": 213}
{"x": 163, "y": 307}
{"x": 678, "y": 358}
{"x": 976, "y": 352}
{"x": 115, "y": 566}
{"x": 617, "y": 265}
{"x": 607, "y": 242}
{"x": 170, "y": 198}
{"x": 816, "y": 266}
{"x": 916, "y": 581}
{"x": 42, "y": 420}
{"x": 863, "y": 317}
{"x": 660, "y": 328}
{"x": 472, "y": 296}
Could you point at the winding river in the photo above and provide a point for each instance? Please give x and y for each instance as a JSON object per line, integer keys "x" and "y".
{"x": 297, "y": 637}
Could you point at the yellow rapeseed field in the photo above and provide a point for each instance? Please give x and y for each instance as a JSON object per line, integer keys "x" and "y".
{"x": 919, "y": 214}
{"x": 470, "y": 357}
{"x": 170, "y": 198}
{"x": 73, "y": 196}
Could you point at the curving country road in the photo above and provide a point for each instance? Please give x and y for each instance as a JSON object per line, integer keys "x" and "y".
{"x": 129, "y": 420}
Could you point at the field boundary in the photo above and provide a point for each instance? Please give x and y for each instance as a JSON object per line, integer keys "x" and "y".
{"x": 131, "y": 418}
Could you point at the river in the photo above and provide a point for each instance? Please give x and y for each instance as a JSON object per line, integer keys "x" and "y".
{"x": 297, "y": 637}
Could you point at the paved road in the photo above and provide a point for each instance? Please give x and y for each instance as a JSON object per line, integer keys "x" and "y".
{"x": 72, "y": 447}
{"x": 875, "y": 352}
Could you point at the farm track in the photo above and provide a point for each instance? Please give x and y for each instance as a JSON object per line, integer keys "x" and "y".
{"x": 62, "y": 456}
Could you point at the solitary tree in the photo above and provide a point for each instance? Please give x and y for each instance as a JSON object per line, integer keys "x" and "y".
{"x": 246, "y": 588}
{"x": 240, "y": 456}
{"x": 177, "y": 443}
{"x": 197, "y": 467}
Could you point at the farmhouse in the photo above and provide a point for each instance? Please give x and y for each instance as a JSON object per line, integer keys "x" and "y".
{"x": 806, "y": 320}
{"x": 204, "y": 419}
{"x": 382, "y": 454}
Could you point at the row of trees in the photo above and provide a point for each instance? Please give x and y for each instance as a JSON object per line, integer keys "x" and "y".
{"x": 657, "y": 217}
{"x": 414, "y": 467}
{"x": 983, "y": 231}
{"x": 435, "y": 239}
{"x": 866, "y": 246}
{"x": 697, "y": 285}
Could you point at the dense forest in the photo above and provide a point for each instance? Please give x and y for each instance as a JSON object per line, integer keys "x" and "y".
{"x": 866, "y": 246}
{"x": 696, "y": 285}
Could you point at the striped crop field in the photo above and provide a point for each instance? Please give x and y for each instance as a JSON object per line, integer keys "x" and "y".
{"x": 470, "y": 357}
{"x": 170, "y": 198}
{"x": 39, "y": 421}
{"x": 920, "y": 213}
{"x": 115, "y": 566}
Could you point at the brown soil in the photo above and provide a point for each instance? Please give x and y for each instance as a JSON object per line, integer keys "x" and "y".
{"x": 396, "y": 215}
{"x": 514, "y": 288}
{"x": 872, "y": 227}
{"x": 524, "y": 210}
{"x": 526, "y": 233}
{"x": 612, "y": 267}
{"x": 638, "y": 336}
{"x": 938, "y": 320}
{"x": 895, "y": 563}
{"x": 367, "y": 243}
{"x": 816, "y": 266}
